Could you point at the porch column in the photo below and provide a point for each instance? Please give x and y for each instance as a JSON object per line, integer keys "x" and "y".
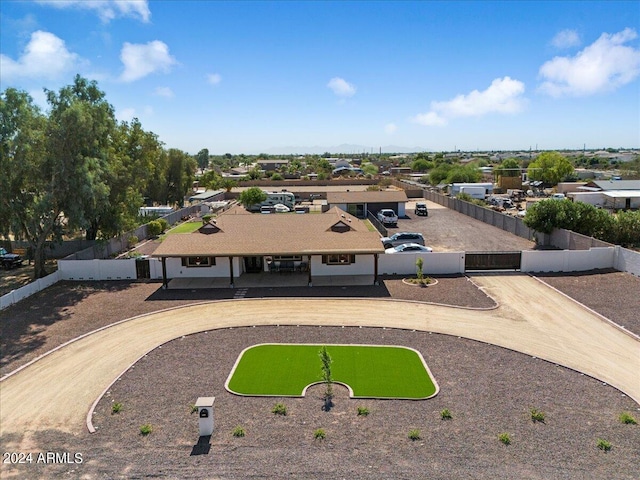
{"x": 231, "y": 272}
{"x": 309, "y": 270}
{"x": 375, "y": 269}
{"x": 165, "y": 283}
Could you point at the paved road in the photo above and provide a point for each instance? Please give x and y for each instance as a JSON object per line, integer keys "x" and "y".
{"x": 532, "y": 318}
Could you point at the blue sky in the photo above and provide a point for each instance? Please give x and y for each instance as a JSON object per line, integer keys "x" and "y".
{"x": 250, "y": 77}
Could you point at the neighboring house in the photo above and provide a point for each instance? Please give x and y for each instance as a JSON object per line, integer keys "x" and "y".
{"x": 359, "y": 203}
{"x": 272, "y": 165}
{"x": 611, "y": 194}
{"x": 329, "y": 244}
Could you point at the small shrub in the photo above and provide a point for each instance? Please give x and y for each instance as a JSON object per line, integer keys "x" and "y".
{"x": 504, "y": 438}
{"x": 207, "y": 218}
{"x": 146, "y": 429}
{"x": 319, "y": 434}
{"x": 604, "y": 445}
{"x": 627, "y": 419}
{"x": 154, "y": 228}
{"x": 116, "y": 407}
{"x": 363, "y": 411}
{"x": 164, "y": 224}
{"x": 132, "y": 240}
{"x": 446, "y": 414}
{"x": 536, "y": 415}
{"x": 279, "y": 409}
{"x": 193, "y": 409}
{"x": 238, "y": 431}
{"x": 414, "y": 434}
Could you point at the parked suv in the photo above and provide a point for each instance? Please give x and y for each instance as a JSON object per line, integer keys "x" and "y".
{"x": 388, "y": 217}
{"x": 421, "y": 209}
{"x": 9, "y": 260}
{"x": 401, "y": 238}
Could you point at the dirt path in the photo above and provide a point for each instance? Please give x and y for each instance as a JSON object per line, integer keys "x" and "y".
{"x": 532, "y": 318}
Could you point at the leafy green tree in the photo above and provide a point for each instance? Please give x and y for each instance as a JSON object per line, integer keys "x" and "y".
{"x": 210, "y": 180}
{"x": 463, "y": 174}
{"x": 255, "y": 173}
{"x": 545, "y": 215}
{"x": 369, "y": 168}
{"x": 31, "y": 206}
{"x": 550, "y": 167}
{"x": 439, "y": 174}
{"x": 180, "y": 175}
{"x": 510, "y": 167}
{"x": 228, "y": 184}
{"x": 202, "y": 159}
{"x": 252, "y": 196}
{"x": 421, "y": 165}
{"x": 627, "y": 228}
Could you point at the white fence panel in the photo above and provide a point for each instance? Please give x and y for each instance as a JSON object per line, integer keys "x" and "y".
{"x": 567, "y": 260}
{"x": 26, "y": 291}
{"x": 124, "y": 269}
{"x": 627, "y": 261}
{"x": 440, "y": 263}
{"x": 97, "y": 269}
{"x": 155, "y": 268}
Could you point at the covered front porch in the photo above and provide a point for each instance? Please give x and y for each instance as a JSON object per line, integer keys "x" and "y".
{"x": 268, "y": 280}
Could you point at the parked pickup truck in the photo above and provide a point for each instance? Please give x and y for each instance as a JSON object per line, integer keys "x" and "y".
{"x": 9, "y": 260}
{"x": 388, "y": 217}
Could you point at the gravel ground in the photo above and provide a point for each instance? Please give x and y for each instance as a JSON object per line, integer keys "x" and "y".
{"x": 488, "y": 389}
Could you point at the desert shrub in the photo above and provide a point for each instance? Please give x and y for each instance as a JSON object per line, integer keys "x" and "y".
{"x": 414, "y": 434}
{"x": 116, "y": 407}
{"x": 627, "y": 419}
{"x": 193, "y": 409}
{"x": 319, "y": 434}
{"x": 536, "y": 415}
{"x": 146, "y": 429}
{"x": 207, "y": 218}
{"x": 279, "y": 409}
{"x": 446, "y": 414}
{"x": 363, "y": 411}
{"x": 132, "y": 240}
{"x": 238, "y": 432}
{"x": 505, "y": 438}
{"x": 604, "y": 445}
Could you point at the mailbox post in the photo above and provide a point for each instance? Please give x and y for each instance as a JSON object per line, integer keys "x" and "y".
{"x": 205, "y": 415}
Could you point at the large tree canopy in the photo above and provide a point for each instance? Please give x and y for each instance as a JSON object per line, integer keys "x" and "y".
{"x": 550, "y": 167}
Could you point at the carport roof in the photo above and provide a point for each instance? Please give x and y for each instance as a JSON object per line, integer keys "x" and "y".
{"x": 378, "y": 196}
{"x": 276, "y": 234}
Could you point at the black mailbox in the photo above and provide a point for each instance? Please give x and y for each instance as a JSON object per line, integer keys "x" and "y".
{"x": 204, "y": 413}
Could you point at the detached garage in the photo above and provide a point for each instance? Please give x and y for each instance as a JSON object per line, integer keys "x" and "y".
{"x": 359, "y": 203}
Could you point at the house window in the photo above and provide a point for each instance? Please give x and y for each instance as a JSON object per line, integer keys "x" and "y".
{"x": 339, "y": 259}
{"x": 287, "y": 258}
{"x": 198, "y": 261}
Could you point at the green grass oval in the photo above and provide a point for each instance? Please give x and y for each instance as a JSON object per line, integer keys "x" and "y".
{"x": 370, "y": 371}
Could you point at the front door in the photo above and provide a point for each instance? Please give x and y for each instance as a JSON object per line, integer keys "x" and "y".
{"x": 253, "y": 264}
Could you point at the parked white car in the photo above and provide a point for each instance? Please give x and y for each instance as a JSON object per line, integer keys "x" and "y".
{"x": 409, "y": 248}
{"x": 388, "y": 217}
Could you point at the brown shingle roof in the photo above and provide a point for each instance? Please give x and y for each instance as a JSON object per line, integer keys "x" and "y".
{"x": 276, "y": 234}
{"x": 381, "y": 196}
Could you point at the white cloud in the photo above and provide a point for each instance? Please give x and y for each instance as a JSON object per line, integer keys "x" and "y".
{"x": 107, "y": 10}
{"x": 341, "y": 87}
{"x": 214, "y": 78}
{"x": 141, "y": 60}
{"x": 126, "y": 114}
{"x": 164, "y": 92}
{"x": 504, "y": 95}
{"x": 430, "y": 119}
{"x": 566, "y": 39}
{"x": 390, "y": 128}
{"x": 603, "y": 66}
{"x": 45, "y": 56}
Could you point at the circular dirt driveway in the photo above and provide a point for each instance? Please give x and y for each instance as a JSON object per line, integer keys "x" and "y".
{"x": 56, "y": 392}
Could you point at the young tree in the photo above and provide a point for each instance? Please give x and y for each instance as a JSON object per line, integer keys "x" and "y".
{"x": 509, "y": 168}
{"x": 326, "y": 361}
{"x": 252, "y": 196}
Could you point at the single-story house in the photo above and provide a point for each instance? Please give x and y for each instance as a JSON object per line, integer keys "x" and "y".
{"x": 333, "y": 243}
{"x": 359, "y": 203}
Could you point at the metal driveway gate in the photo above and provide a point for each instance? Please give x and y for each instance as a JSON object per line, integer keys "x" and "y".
{"x": 492, "y": 261}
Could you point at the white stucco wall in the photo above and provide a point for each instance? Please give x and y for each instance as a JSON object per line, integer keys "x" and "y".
{"x": 433, "y": 263}
{"x": 220, "y": 269}
{"x": 362, "y": 266}
{"x": 97, "y": 269}
{"x": 567, "y": 260}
